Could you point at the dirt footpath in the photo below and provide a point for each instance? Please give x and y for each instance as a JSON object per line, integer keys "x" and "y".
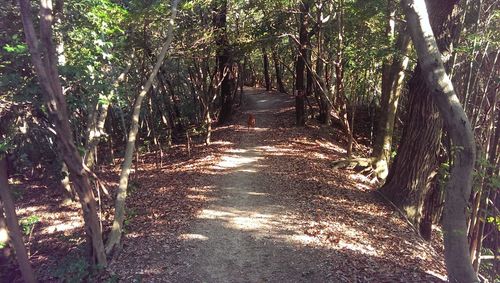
{"x": 270, "y": 208}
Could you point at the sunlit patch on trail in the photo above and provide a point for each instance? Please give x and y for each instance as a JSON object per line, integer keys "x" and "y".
{"x": 214, "y": 214}
{"x": 244, "y": 128}
{"x": 192, "y": 237}
{"x": 257, "y": 194}
{"x": 276, "y": 151}
{"x": 280, "y": 227}
{"x": 233, "y": 161}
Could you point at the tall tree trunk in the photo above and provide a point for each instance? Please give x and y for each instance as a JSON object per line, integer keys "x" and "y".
{"x": 389, "y": 105}
{"x": 119, "y": 217}
{"x": 325, "y": 106}
{"x": 458, "y": 188}
{"x": 416, "y": 162}
{"x": 16, "y": 238}
{"x": 339, "y": 75}
{"x": 267, "y": 77}
{"x": 300, "y": 65}
{"x": 223, "y": 62}
{"x": 279, "y": 74}
{"x": 48, "y": 76}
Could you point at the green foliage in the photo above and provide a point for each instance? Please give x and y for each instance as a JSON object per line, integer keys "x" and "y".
{"x": 4, "y": 146}
{"x": 28, "y": 224}
{"x": 18, "y": 49}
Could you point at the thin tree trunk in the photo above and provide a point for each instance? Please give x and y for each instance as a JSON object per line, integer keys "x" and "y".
{"x": 458, "y": 188}
{"x": 279, "y": 75}
{"x": 117, "y": 229}
{"x": 96, "y": 127}
{"x": 389, "y": 105}
{"x": 339, "y": 73}
{"x": 300, "y": 65}
{"x": 46, "y": 70}
{"x": 224, "y": 63}
{"x": 16, "y": 238}
{"x": 267, "y": 77}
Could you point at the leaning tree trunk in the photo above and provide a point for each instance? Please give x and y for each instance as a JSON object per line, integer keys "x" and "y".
{"x": 416, "y": 162}
{"x": 43, "y": 58}
{"x": 16, "y": 238}
{"x": 117, "y": 229}
{"x": 458, "y": 188}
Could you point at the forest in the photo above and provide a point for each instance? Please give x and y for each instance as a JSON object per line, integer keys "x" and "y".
{"x": 249, "y": 141}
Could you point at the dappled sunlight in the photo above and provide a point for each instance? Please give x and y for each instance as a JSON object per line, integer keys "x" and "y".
{"x": 287, "y": 228}
{"x": 277, "y": 151}
{"x": 257, "y": 194}
{"x": 188, "y": 236}
{"x": 63, "y": 225}
{"x": 328, "y": 145}
{"x": 31, "y": 209}
{"x": 233, "y": 161}
{"x": 252, "y": 130}
{"x": 260, "y": 199}
{"x": 262, "y": 222}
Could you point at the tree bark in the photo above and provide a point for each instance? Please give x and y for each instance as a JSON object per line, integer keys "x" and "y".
{"x": 300, "y": 65}
{"x": 279, "y": 74}
{"x": 389, "y": 105}
{"x": 267, "y": 77}
{"x": 117, "y": 229}
{"x": 223, "y": 62}
{"x": 416, "y": 162}
{"x": 16, "y": 238}
{"x": 48, "y": 76}
{"x": 339, "y": 75}
{"x": 458, "y": 188}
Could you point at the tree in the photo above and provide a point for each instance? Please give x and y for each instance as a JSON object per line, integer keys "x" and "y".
{"x": 456, "y": 123}
{"x": 279, "y": 72}
{"x": 300, "y": 64}
{"x": 7, "y": 207}
{"x": 417, "y": 158}
{"x": 117, "y": 229}
{"x": 44, "y": 60}
{"x": 224, "y": 61}
{"x": 339, "y": 76}
{"x": 391, "y": 91}
{"x": 267, "y": 77}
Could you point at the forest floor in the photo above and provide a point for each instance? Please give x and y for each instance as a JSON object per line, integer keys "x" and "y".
{"x": 257, "y": 205}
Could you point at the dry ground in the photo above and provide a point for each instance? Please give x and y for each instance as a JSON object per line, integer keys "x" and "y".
{"x": 258, "y": 205}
